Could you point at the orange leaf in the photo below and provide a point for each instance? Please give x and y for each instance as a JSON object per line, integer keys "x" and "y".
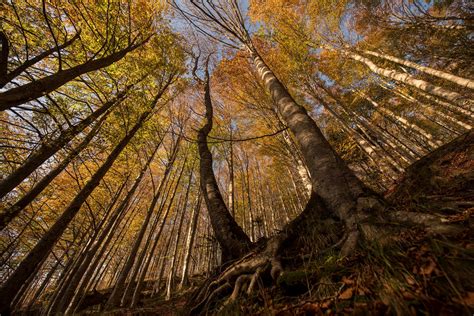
{"x": 347, "y": 294}
{"x": 467, "y": 300}
{"x": 347, "y": 281}
{"x": 428, "y": 268}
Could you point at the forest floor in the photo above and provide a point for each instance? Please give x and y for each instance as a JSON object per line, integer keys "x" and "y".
{"x": 417, "y": 275}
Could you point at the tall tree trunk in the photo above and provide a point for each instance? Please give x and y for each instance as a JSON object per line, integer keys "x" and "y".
{"x": 144, "y": 267}
{"x": 10, "y": 213}
{"x": 296, "y": 189}
{"x": 300, "y": 167}
{"x": 4, "y": 56}
{"x": 408, "y": 153}
{"x": 190, "y": 240}
{"x": 250, "y": 207}
{"x": 41, "y": 87}
{"x": 174, "y": 258}
{"x": 410, "y": 80}
{"x": 51, "y": 147}
{"x": 372, "y": 149}
{"x": 102, "y": 239}
{"x": 75, "y": 292}
{"x": 332, "y": 180}
{"x": 170, "y": 193}
{"x": 232, "y": 239}
{"x": 231, "y": 175}
{"x": 367, "y": 147}
{"x": 91, "y": 275}
{"x": 117, "y": 293}
{"x": 404, "y": 157}
{"x": 88, "y": 251}
{"x": 11, "y": 287}
{"x": 107, "y": 252}
{"x": 72, "y": 260}
{"x": 178, "y": 235}
{"x": 446, "y": 117}
{"x": 452, "y": 108}
{"x": 388, "y": 113}
{"x": 463, "y": 82}
{"x": 24, "y": 287}
{"x": 45, "y": 282}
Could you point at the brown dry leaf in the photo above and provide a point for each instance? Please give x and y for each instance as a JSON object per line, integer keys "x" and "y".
{"x": 410, "y": 279}
{"x": 408, "y": 296}
{"x": 424, "y": 248}
{"x": 312, "y": 309}
{"x": 360, "y": 306}
{"x": 362, "y": 291}
{"x": 326, "y": 304}
{"x": 467, "y": 300}
{"x": 347, "y": 294}
{"x": 347, "y": 281}
{"x": 428, "y": 268}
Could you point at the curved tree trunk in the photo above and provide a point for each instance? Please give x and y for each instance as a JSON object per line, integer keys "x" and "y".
{"x": 232, "y": 239}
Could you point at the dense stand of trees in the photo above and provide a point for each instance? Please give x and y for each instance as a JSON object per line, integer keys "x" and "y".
{"x": 136, "y": 156}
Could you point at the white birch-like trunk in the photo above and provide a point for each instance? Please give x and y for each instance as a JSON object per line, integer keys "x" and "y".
{"x": 300, "y": 166}
{"x": 411, "y": 81}
{"x": 411, "y": 99}
{"x": 429, "y": 138}
{"x": 463, "y": 82}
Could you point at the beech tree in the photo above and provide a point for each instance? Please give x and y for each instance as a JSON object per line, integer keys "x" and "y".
{"x": 41, "y": 250}
{"x": 233, "y": 240}
{"x": 335, "y": 187}
{"x": 223, "y": 157}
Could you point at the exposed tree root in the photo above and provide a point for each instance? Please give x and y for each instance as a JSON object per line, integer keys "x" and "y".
{"x": 316, "y": 232}
{"x": 242, "y": 275}
{"x": 239, "y": 275}
{"x": 215, "y": 293}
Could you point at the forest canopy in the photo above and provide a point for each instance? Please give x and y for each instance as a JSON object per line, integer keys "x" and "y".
{"x": 236, "y": 157}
